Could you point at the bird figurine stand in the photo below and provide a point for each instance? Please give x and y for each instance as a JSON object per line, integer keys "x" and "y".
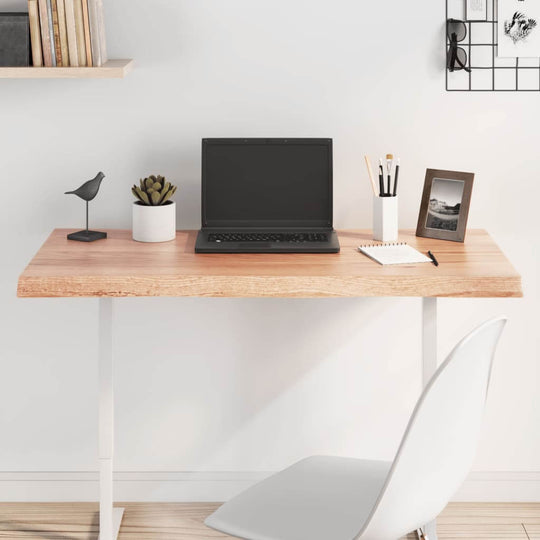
{"x": 87, "y": 192}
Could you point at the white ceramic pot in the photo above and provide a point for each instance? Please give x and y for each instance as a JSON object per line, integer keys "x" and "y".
{"x": 154, "y": 223}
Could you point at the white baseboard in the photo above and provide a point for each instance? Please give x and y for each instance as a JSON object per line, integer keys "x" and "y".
{"x": 128, "y": 486}
{"x": 500, "y": 486}
{"x": 220, "y": 486}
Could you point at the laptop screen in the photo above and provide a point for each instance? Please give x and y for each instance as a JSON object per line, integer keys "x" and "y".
{"x": 267, "y": 183}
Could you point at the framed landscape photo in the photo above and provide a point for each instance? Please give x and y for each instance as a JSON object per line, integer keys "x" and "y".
{"x": 445, "y": 205}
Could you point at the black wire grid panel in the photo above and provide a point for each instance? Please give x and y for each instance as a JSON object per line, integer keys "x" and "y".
{"x": 488, "y": 72}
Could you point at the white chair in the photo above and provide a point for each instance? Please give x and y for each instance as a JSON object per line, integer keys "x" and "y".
{"x": 333, "y": 498}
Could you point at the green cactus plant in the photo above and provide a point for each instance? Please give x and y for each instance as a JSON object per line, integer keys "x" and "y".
{"x": 153, "y": 191}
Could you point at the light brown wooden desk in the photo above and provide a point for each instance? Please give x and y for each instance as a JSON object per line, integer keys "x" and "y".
{"x": 118, "y": 267}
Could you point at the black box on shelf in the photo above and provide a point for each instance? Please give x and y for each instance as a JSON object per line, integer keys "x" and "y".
{"x": 14, "y": 40}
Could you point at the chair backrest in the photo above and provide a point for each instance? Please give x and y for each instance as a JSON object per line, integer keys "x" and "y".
{"x": 439, "y": 445}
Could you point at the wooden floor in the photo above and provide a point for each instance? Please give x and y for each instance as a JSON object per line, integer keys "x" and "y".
{"x": 144, "y": 521}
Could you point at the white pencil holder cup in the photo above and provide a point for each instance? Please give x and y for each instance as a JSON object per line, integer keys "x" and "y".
{"x": 385, "y": 219}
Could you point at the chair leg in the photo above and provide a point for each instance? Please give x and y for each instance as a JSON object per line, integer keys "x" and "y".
{"x": 429, "y": 339}
{"x": 429, "y": 367}
{"x": 430, "y": 530}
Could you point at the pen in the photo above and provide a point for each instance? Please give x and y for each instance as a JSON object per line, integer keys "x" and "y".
{"x": 381, "y": 179}
{"x": 396, "y": 177}
{"x": 432, "y": 257}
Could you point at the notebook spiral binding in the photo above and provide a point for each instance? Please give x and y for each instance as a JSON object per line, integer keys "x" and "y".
{"x": 383, "y": 244}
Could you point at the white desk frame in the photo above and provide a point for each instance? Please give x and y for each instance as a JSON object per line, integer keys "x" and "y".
{"x": 110, "y": 518}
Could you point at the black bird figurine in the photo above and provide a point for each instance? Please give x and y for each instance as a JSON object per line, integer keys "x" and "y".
{"x": 87, "y": 192}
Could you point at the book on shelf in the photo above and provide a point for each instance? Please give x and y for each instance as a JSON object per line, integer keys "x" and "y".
{"x": 63, "y": 32}
{"x": 102, "y": 33}
{"x": 97, "y": 32}
{"x": 94, "y": 35}
{"x": 45, "y": 36}
{"x": 50, "y": 32}
{"x": 71, "y": 33}
{"x": 35, "y": 33}
{"x": 87, "y": 38}
{"x": 79, "y": 28}
{"x": 56, "y": 30}
{"x": 67, "y": 33}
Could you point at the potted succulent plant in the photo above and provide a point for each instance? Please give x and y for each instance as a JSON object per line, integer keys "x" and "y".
{"x": 154, "y": 213}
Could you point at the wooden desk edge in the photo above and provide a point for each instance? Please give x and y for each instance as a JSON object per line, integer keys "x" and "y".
{"x": 249, "y": 287}
{"x": 217, "y": 286}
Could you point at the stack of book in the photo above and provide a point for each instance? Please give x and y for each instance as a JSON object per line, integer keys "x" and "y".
{"x": 67, "y": 33}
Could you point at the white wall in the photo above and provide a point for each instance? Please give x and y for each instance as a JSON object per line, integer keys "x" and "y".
{"x": 252, "y": 385}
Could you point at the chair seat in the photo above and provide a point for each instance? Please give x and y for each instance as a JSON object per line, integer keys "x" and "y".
{"x": 318, "y": 498}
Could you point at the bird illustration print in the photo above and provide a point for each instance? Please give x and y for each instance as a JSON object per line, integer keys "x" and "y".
{"x": 519, "y": 27}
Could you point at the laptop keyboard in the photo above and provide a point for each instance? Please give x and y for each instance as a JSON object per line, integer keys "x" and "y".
{"x": 297, "y": 238}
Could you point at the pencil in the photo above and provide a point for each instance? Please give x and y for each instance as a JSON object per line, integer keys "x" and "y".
{"x": 370, "y": 172}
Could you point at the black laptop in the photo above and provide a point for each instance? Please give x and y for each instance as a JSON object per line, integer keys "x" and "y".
{"x": 267, "y": 196}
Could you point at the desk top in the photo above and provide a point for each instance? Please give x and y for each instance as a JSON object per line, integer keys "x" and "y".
{"x": 119, "y": 267}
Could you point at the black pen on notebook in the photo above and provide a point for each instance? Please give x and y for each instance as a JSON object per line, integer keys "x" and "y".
{"x": 433, "y": 258}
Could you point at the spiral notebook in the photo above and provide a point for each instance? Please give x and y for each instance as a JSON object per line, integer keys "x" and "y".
{"x": 394, "y": 253}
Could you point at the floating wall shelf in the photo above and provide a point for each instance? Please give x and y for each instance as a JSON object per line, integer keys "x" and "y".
{"x": 113, "y": 69}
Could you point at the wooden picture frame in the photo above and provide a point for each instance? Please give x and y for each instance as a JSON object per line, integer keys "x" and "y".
{"x": 444, "y": 210}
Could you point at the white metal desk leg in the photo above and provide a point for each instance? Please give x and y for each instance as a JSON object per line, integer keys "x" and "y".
{"x": 109, "y": 518}
{"x": 429, "y": 367}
